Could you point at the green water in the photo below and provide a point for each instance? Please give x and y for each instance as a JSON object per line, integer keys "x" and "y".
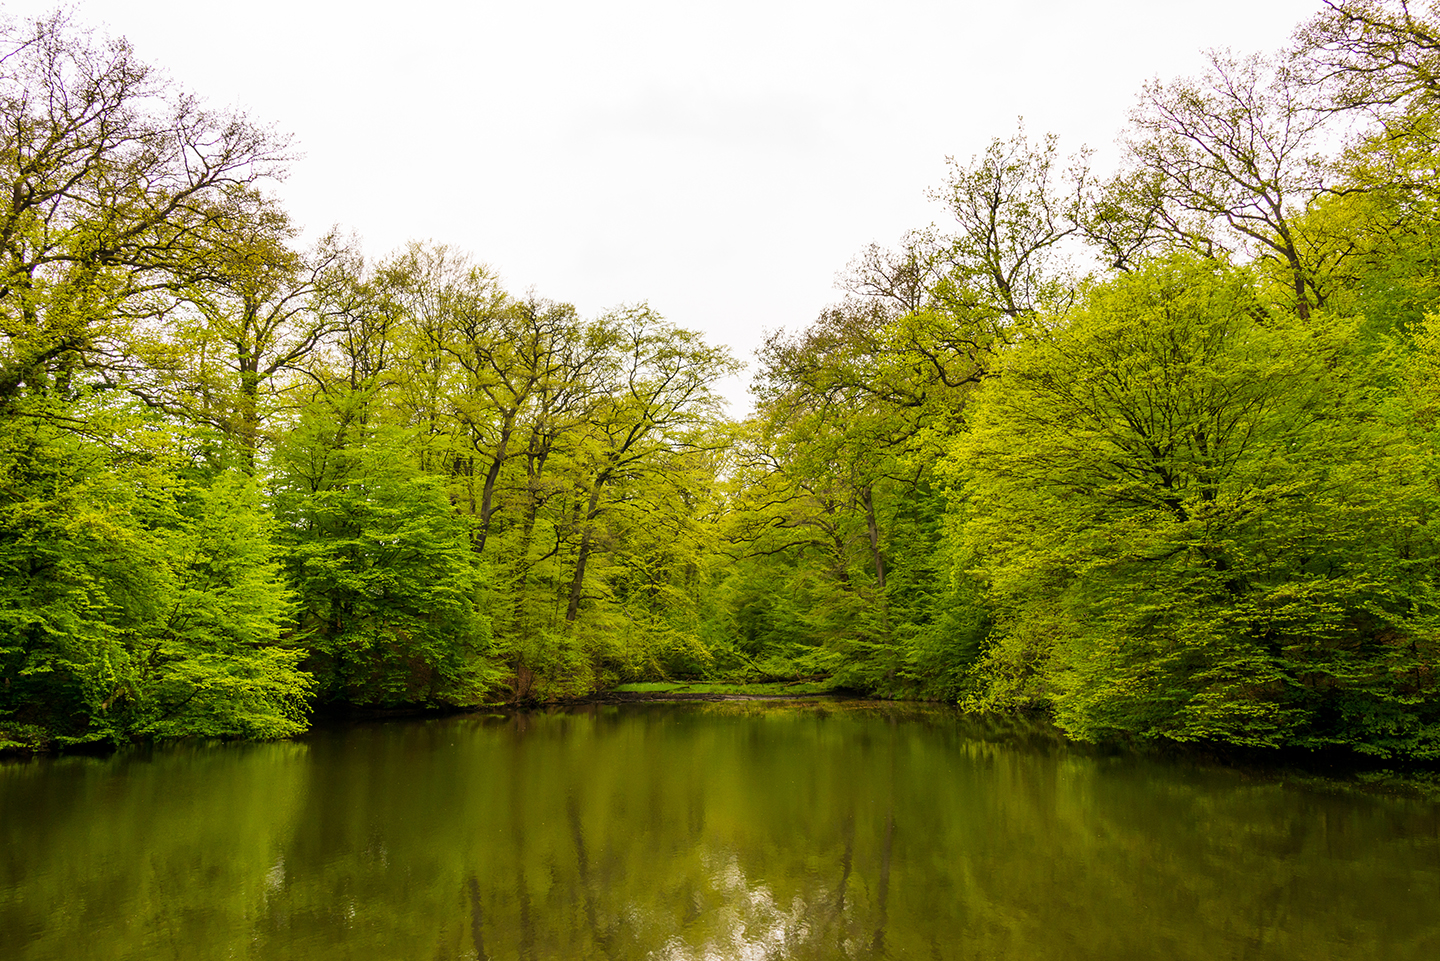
{"x": 676, "y": 831}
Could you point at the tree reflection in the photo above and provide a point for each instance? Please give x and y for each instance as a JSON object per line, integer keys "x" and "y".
{"x": 689, "y": 832}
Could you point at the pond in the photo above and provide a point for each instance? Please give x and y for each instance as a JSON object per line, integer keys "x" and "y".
{"x": 677, "y": 831}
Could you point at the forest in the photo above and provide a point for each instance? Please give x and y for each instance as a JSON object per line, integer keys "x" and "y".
{"x": 1153, "y": 452}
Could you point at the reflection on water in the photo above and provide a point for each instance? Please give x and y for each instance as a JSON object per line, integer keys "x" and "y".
{"x": 680, "y": 832}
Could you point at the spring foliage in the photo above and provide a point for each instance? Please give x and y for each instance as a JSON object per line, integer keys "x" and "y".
{"x": 1182, "y": 489}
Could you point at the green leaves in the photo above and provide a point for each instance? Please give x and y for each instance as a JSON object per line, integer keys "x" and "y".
{"x": 138, "y": 599}
{"x": 387, "y": 583}
{"x": 1192, "y": 517}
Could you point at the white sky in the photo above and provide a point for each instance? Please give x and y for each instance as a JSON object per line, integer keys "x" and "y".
{"x": 721, "y": 161}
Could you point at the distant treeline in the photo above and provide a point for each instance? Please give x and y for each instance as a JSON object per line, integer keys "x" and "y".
{"x": 1155, "y": 453}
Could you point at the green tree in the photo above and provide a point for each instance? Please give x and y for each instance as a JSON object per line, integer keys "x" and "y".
{"x": 835, "y": 520}
{"x": 140, "y": 594}
{"x": 1223, "y": 166}
{"x": 141, "y": 598}
{"x": 1378, "y": 55}
{"x": 242, "y": 323}
{"x": 1014, "y": 211}
{"x": 387, "y": 585}
{"x": 1196, "y": 521}
{"x": 663, "y": 390}
{"x": 110, "y": 177}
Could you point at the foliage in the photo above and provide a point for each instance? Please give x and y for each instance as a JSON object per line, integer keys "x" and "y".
{"x": 1186, "y": 496}
{"x": 387, "y": 584}
{"x": 111, "y": 178}
{"x": 1197, "y": 524}
{"x": 138, "y": 600}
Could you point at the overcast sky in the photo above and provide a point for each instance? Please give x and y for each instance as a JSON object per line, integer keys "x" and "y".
{"x": 720, "y": 161}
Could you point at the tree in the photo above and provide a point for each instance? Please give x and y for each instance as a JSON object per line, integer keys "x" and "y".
{"x": 141, "y": 594}
{"x": 1014, "y": 213}
{"x": 1195, "y": 523}
{"x": 834, "y": 500}
{"x": 387, "y": 586}
{"x": 663, "y": 377}
{"x": 141, "y": 597}
{"x": 905, "y": 279}
{"x": 243, "y": 323}
{"x": 514, "y": 357}
{"x": 428, "y": 293}
{"x": 832, "y": 506}
{"x": 1377, "y": 55}
{"x": 1223, "y": 166}
{"x": 573, "y": 360}
{"x": 1373, "y": 64}
{"x": 111, "y": 179}
{"x": 1379, "y": 238}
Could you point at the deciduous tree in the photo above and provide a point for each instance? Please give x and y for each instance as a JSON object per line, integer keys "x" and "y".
{"x": 1196, "y": 524}
{"x": 112, "y": 179}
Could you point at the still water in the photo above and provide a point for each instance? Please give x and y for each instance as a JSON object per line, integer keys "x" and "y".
{"x": 679, "y": 831}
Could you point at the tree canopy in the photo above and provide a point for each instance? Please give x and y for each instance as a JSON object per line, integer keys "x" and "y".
{"x": 1154, "y": 451}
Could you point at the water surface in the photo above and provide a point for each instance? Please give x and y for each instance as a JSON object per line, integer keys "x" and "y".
{"x": 678, "y": 831}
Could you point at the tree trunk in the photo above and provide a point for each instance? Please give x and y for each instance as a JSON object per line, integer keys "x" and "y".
{"x": 578, "y": 582}
{"x": 248, "y": 414}
{"x": 873, "y": 529}
{"x": 487, "y": 496}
